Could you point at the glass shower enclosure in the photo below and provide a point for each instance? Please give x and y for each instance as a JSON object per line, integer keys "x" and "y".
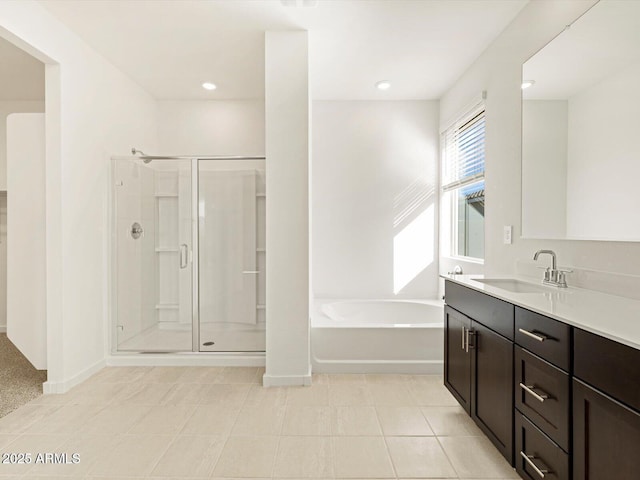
{"x": 188, "y": 254}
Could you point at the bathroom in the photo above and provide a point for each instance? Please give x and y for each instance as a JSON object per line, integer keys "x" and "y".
{"x": 346, "y": 209}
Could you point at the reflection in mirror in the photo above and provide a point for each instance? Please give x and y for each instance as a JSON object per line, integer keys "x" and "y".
{"x": 580, "y": 129}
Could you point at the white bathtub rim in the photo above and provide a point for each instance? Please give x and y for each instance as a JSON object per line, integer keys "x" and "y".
{"x": 320, "y": 320}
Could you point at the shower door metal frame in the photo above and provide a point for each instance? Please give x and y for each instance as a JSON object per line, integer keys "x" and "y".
{"x": 195, "y": 254}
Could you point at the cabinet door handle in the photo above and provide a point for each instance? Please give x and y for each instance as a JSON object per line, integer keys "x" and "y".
{"x": 184, "y": 255}
{"x": 529, "y": 389}
{"x": 529, "y": 459}
{"x": 536, "y": 336}
{"x": 470, "y": 333}
{"x": 463, "y": 337}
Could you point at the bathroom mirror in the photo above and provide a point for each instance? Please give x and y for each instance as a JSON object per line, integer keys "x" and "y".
{"x": 581, "y": 129}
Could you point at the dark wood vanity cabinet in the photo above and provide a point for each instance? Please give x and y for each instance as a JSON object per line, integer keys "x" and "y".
{"x": 558, "y": 402}
{"x": 606, "y": 409}
{"x": 479, "y": 364}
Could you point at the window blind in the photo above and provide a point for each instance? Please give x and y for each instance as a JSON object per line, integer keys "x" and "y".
{"x": 463, "y": 150}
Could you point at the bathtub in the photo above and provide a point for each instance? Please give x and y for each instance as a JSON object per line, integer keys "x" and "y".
{"x": 377, "y": 336}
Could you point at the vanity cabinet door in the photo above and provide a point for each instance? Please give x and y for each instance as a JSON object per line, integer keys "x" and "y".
{"x": 606, "y": 436}
{"x": 492, "y": 387}
{"x": 457, "y": 362}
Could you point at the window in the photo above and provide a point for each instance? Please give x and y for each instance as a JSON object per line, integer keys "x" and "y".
{"x": 462, "y": 182}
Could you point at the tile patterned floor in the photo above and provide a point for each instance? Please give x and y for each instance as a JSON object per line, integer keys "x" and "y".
{"x": 209, "y": 422}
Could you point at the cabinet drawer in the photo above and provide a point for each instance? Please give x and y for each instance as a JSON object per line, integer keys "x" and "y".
{"x": 607, "y": 365}
{"x": 544, "y": 336}
{"x": 489, "y": 311}
{"x": 542, "y": 393}
{"x": 537, "y": 457}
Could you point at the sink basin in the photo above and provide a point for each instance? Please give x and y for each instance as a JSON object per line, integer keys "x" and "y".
{"x": 513, "y": 285}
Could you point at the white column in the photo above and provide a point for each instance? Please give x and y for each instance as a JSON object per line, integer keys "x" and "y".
{"x": 287, "y": 114}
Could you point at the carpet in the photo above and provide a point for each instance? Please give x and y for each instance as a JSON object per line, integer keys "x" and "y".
{"x": 20, "y": 382}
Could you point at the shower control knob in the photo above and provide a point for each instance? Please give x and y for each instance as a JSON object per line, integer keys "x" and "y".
{"x": 136, "y": 231}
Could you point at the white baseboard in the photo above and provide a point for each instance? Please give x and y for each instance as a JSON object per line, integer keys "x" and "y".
{"x": 3, "y": 329}
{"x": 186, "y": 360}
{"x": 286, "y": 380}
{"x": 66, "y": 385}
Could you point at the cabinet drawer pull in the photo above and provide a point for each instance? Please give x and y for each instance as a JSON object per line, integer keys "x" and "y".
{"x": 463, "y": 336}
{"x": 529, "y": 459}
{"x": 536, "y": 336}
{"x": 529, "y": 389}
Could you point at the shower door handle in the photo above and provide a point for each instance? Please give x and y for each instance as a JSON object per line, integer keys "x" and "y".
{"x": 184, "y": 256}
{"x": 251, "y": 272}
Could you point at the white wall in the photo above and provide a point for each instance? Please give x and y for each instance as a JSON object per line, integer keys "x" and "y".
{"x": 603, "y": 168}
{"x": 8, "y": 107}
{"x": 215, "y": 127}
{"x": 544, "y": 168}
{"x": 498, "y": 70}
{"x": 374, "y": 177}
{"x": 92, "y": 112}
{"x": 26, "y": 275}
{"x": 287, "y": 108}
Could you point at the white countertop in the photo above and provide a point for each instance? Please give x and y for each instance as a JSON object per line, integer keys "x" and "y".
{"x": 610, "y": 316}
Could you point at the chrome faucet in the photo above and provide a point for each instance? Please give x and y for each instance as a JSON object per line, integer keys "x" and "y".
{"x": 553, "y": 276}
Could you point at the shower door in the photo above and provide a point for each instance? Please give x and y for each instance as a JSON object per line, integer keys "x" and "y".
{"x": 231, "y": 255}
{"x": 153, "y": 294}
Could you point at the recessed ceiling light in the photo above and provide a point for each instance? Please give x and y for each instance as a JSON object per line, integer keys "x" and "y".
{"x": 527, "y": 84}
{"x": 383, "y": 85}
{"x": 209, "y": 86}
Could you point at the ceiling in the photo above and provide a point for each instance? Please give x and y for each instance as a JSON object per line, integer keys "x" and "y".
{"x": 171, "y": 47}
{"x": 598, "y": 45}
{"x": 21, "y": 75}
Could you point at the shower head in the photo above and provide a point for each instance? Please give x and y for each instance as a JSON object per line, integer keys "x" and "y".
{"x": 135, "y": 151}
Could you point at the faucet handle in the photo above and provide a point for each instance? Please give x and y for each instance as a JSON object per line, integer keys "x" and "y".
{"x": 547, "y": 273}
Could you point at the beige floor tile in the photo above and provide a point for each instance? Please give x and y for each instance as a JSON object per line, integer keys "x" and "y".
{"x": 6, "y": 439}
{"x": 349, "y": 395}
{"x": 164, "y": 419}
{"x": 208, "y": 420}
{"x": 247, "y": 457}
{"x": 190, "y": 456}
{"x": 437, "y": 379}
{"x": 345, "y": 378}
{"x": 239, "y": 375}
{"x": 200, "y": 375}
{"x": 359, "y": 421}
{"x": 419, "y": 457}
{"x": 33, "y": 445}
{"x": 265, "y": 420}
{"x": 476, "y": 457}
{"x": 361, "y": 457}
{"x": 260, "y": 396}
{"x": 119, "y": 374}
{"x": 67, "y": 419}
{"x": 21, "y": 419}
{"x": 450, "y": 421}
{"x": 89, "y": 448}
{"x": 307, "y": 420}
{"x": 431, "y": 394}
{"x": 315, "y": 395}
{"x": 134, "y": 455}
{"x": 94, "y": 393}
{"x": 144, "y": 393}
{"x": 304, "y": 457}
{"x": 396, "y": 421}
{"x": 319, "y": 378}
{"x": 187, "y": 394}
{"x": 386, "y": 378}
{"x": 163, "y": 375}
{"x": 226, "y": 395}
{"x": 396, "y": 395}
{"x": 115, "y": 419}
